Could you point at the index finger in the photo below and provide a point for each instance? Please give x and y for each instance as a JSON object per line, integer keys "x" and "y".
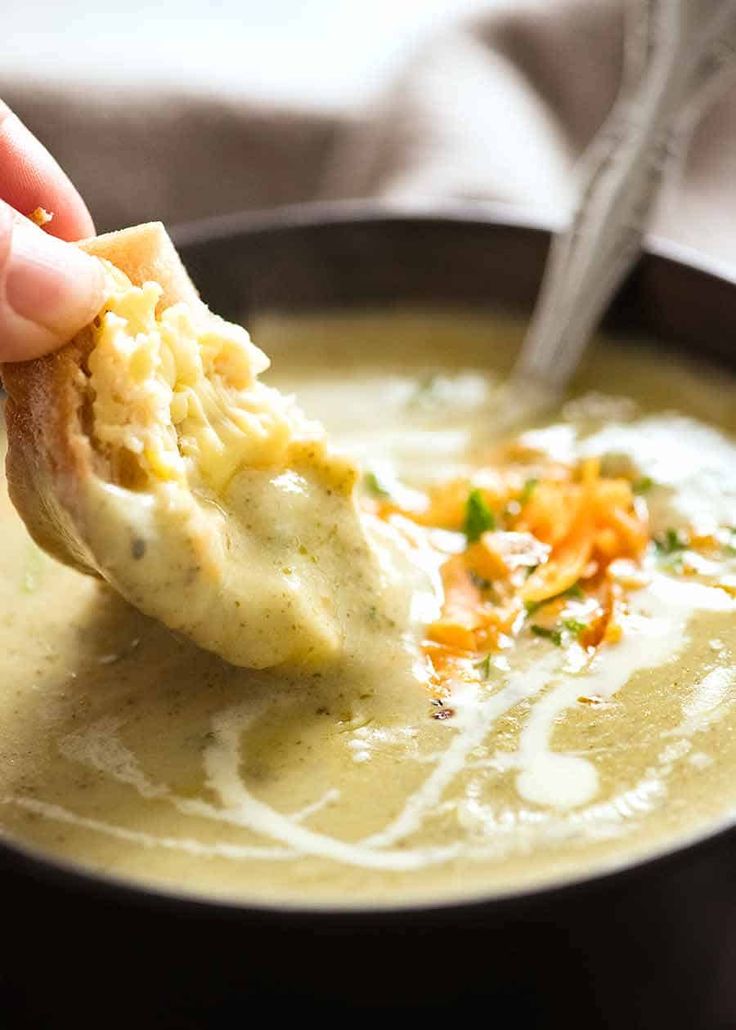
{"x": 31, "y": 178}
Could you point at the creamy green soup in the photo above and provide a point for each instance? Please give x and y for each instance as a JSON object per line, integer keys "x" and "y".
{"x": 133, "y": 753}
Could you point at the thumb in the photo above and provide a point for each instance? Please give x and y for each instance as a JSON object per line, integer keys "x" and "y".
{"x": 49, "y": 289}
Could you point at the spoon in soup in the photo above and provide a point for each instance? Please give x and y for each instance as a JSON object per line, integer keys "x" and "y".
{"x": 677, "y": 55}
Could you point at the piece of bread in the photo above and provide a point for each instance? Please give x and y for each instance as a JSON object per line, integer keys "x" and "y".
{"x": 48, "y": 446}
{"x": 148, "y": 452}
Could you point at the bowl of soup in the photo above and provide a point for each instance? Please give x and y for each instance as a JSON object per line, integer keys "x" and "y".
{"x": 521, "y": 795}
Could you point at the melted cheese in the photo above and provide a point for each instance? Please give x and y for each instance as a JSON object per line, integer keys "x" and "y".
{"x": 180, "y": 394}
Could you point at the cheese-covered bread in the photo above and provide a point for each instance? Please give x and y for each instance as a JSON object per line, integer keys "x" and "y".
{"x": 148, "y": 452}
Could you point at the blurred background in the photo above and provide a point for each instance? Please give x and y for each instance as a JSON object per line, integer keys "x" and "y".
{"x": 188, "y": 109}
{"x": 300, "y": 52}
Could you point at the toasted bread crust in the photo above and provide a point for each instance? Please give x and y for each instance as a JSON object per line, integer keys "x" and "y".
{"x": 49, "y": 451}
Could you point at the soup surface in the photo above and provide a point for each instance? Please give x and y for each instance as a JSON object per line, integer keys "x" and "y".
{"x": 134, "y": 753}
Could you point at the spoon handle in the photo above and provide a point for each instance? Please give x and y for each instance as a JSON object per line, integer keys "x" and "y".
{"x": 675, "y": 53}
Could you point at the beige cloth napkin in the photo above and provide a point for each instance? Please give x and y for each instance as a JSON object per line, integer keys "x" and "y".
{"x": 495, "y": 108}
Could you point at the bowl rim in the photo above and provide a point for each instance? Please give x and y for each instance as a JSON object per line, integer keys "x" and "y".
{"x": 30, "y": 861}
{"x": 314, "y": 213}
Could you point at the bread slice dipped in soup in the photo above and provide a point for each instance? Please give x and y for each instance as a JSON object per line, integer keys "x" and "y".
{"x": 149, "y": 452}
{"x": 406, "y": 664}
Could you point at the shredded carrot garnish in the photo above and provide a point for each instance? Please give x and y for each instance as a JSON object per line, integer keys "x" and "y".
{"x": 551, "y": 531}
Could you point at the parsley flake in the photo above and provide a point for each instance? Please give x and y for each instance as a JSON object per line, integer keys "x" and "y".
{"x": 527, "y": 490}
{"x": 478, "y": 517}
{"x": 672, "y": 542}
{"x": 485, "y": 666}
{"x": 643, "y": 485}
{"x": 575, "y": 626}
{"x": 374, "y": 485}
{"x": 555, "y": 635}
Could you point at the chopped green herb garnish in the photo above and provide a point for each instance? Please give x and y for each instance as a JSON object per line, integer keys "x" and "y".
{"x": 527, "y": 490}
{"x": 555, "y": 635}
{"x": 533, "y": 606}
{"x": 575, "y": 591}
{"x": 478, "y": 517}
{"x": 672, "y": 542}
{"x": 670, "y": 549}
{"x": 485, "y": 666}
{"x": 558, "y": 633}
{"x": 574, "y": 626}
{"x": 641, "y": 486}
{"x": 374, "y": 485}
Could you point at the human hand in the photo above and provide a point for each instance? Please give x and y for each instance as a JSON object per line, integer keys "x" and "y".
{"x": 49, "y": 289}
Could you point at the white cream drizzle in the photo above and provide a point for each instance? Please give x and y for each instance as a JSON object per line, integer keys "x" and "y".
{"x": 553, "y": 781}
{"x": 236, "y": 852}
{"x": 474, "y": 720}
{"x": 654, "y": 630}
{"x": 99, "y": 747}
{"x": 222, "y": 765}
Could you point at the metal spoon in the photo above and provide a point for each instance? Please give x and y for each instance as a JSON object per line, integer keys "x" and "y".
{"x": 676, "y": 56}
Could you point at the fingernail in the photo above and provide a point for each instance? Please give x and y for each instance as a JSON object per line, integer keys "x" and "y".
{"x": 51, "y": 283}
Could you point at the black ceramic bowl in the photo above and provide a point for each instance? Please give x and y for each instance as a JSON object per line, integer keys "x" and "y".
{"x": 651, "y": 945}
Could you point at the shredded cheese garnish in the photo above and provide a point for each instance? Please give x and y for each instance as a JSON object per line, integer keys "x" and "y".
{"x": 177, "y": 399}
{"x": 549, "y": 548}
